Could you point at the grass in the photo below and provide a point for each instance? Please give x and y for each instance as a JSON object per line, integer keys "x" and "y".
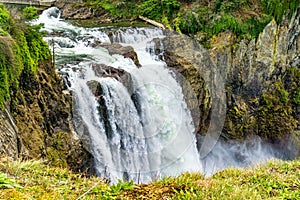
{"x": 36, "y": 180}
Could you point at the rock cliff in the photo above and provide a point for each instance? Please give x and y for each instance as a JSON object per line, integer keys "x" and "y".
{"x": 36, "y": 123}
{"x": 256, "y": 81}
{"x": 9, "y": 141}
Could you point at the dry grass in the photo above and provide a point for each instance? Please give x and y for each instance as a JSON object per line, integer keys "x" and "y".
{"x": 36, "y": 180}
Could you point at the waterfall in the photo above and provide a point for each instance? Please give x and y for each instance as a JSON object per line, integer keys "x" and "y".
{"x": 137, "y": 131}
{"x": 138, "y": 127}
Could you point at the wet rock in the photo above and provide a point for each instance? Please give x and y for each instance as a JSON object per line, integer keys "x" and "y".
{"x": 102, "y": 70}
{"x": 94, "y": 87}
{"x": 80, "y": 12}
{"x": 43, "y": 117}
{"x": 194, "y": 68}
{"x": 126, "y": 51}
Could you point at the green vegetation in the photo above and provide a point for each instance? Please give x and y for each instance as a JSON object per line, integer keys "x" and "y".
{"x": 158, "y": 9}
{"x": 36, "y": 180}
{"x": 296, "y": 96}
{"x": 21, "y": 50}
{"x": 30, "y": 13}
{"x": 275, "y": 113}
{"x": 272, "y": 115}
{"x": 279, "y": 8}
{"x": 245, "y": 18}
{"x": 6, "y": 182}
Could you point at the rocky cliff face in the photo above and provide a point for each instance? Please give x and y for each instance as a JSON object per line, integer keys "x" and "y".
{"x": 37, "y": 122}
{"x": 9, "y": 139}
{"x": 256, "y": 80}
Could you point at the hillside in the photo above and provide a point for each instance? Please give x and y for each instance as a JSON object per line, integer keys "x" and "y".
{"x": 199, "y": 19}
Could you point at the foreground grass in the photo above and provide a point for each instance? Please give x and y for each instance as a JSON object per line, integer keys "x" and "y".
{"x": 36, "y": 180}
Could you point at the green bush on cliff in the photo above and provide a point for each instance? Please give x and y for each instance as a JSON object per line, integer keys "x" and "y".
{"x": 246, "y": 18}
{"x": 4, "y": 15}
{"x": 30, "y": 13}
{"x": 21, "y": 50}
{"x": 4, "y": 61}
{"x": 228, "y": 6}
{"x": 279, "y": 8}
{"x": 157, "y": 9}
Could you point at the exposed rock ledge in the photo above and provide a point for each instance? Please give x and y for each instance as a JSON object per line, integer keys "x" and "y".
{"x": 10, "y": 143}
{"x": 79, "y": 12}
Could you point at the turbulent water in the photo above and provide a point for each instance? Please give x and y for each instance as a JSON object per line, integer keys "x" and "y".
{"x": 139, "y": 128}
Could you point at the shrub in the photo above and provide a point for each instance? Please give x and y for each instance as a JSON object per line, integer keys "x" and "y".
{"x": 21, "y": 50}
{"x": 157, "y": 9}
{"x": 4, "y": 15}
{"x": 279, "y": 8}
{"x": 30, "y": 13}
{"x": 229, "y": 5}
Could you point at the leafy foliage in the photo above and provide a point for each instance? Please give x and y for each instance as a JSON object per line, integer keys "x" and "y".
{"x": 229, "y": 5}
{"x": 245, "y": 18}
{"x": 296, "y": 96}
{"x": 21, "y": 50}
{"x": 157, "y": 9}
{"x": 30, "y": 13}
{"x": 279, "y": 8}
{"x": 4, "y": 15}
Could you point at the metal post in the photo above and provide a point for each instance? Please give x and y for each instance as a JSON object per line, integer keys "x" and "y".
{"x": 53, "y": 53}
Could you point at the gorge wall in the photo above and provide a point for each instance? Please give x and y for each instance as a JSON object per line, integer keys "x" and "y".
{"x": 36, "y": 122}
{"x": 260, "y": 79}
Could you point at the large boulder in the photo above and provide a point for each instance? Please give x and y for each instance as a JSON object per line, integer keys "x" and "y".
{"x": 126, "y": 51}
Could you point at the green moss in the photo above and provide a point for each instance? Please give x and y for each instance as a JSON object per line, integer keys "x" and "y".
{"x": 296, "y": 96}
{"x": 21, "y": 50}
{"x": 275, "y": 113}
{"x": 272, "y": 115}
{"x": 57, "y": 150}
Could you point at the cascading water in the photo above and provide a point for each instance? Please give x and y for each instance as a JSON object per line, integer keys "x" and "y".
{"x": 147, "y": 130}
{"x": 139, "y": 128}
